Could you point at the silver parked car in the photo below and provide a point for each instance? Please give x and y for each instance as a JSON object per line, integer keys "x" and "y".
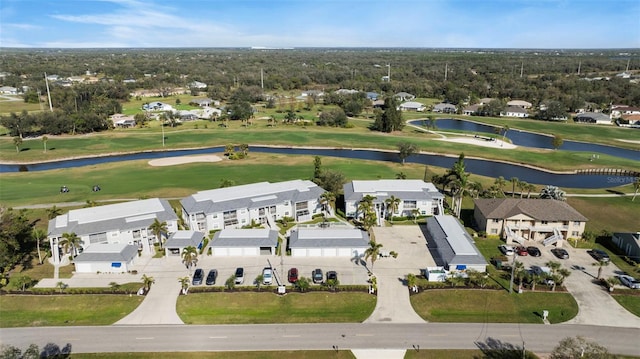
{"x": 629, "y": 281}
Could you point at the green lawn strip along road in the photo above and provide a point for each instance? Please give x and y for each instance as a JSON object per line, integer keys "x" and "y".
{"x": 65, "y": 310}
{"x": 264, "y": 307}
{"x": 630, "y": 302}
{"x": 492, "y": 306}
{"x": 136, "y": 140}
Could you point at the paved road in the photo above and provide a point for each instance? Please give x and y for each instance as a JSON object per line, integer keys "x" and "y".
{"x": 168, "y": 338}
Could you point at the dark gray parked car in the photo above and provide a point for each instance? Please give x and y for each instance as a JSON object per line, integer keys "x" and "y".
{"x": 198, "y": 276}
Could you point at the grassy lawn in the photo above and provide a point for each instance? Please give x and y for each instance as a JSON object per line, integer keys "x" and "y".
{"x": 260, "y": 308}
{"x": 307, "y": 354}
{"x": 480, "y": 306}
{"x": 629, "y": 302}
{"x": 52, "y": 310}
{"x": 194, "y": 134}
{"x": 617, "y": 211}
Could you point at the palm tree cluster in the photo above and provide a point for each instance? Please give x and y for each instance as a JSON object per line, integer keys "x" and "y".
{"x": 367, "y": 208}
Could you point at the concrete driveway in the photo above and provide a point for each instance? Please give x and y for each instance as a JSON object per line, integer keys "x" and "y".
{"x": 393, "y": 305}
{"x": 596, "y": 306}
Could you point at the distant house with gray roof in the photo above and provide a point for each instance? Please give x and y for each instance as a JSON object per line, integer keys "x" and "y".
{"x": 263, "y": 202}
{"x": 444, "y": 108}
{"x": 412, "y": 106}
{"x": 404, "y": 96}
{"x": 593, "y": 117}
{"x": 523, "y": 219}
{"x": 106, "y": 258}
{"x": 514, "y": 111}
{"x": 454, "y": 248}
{"x": 179, "y": 240}
{"x": 416, "y": 197}
{"x": 244, "y": 242}
{"x": 328, "y": 242}
{"x": 126, "y": 222}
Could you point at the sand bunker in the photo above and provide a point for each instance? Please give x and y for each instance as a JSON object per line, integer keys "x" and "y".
{"x": 172, "y": 161}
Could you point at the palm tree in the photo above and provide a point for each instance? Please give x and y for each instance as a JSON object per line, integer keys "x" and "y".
{"x": 61, "y": 285}
{"x": 147, "y": 282}
{"x": 258, "y": 281}
{"x": 392, "y": 206}
{"x": 17, "y": 141}
{"x": 373, "y": 252}
{"x": 522, "y": 185}
{"x": 38, "y": 235}
{"x": 158, "y": 229}
{"x": 500, "y": 182}
{"x": 328, "y": 201}
{"x": 401, "y": 175}
{"x": 411, "y": 280}
{"x": 636, "y": 188}
{"x": 114, "y": 286}
{"x": 230, "y": 283}
{"x": 44, "y": 142}
{"x": 514, "y": 182}
{"x": 303, "y": 284}
{"x": 600, "y": 265}
{"x": 70, "y": 240}
{"x": 184, "y": 284}
{"x": 53, "y": 212}
{"x": 190, "y": 256}
{"x": 530, "y": 187}
{"x": 415, "y": 213}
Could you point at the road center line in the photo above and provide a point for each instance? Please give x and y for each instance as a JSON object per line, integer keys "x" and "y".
{"x": 145, "y": 338}
{"x": 221, "y": 337}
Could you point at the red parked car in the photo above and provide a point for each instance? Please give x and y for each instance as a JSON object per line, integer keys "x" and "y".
{"x": 522, "y": 251}
{"x": 293, "y": 275}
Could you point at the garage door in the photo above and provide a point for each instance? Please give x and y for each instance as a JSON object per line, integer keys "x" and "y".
{"x": 345, "y": 252}
{"x": 314, "y": 252}
{"x": 235, "y": 251}
{"x": 220, "y": 251}
{"x": 250, "y": 251}
{"x": 299, "y": 252}
{"x": 84, "y": 268}
{"x": 329, "y": 252}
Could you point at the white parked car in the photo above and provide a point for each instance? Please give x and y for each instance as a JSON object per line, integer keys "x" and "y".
{"x": 629, "y": 281}
{"x": 506, "y": 250}
{"x": 267, "y": 276}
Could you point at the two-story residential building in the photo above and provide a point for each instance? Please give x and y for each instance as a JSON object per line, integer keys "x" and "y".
{"x": 521, "y": 219}
{"x": 121, "y": 223}
{"x": 263, "y": 202}
{"x": 416, "y": 197}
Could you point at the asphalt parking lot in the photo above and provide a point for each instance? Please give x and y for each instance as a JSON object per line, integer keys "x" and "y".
{"x": 349, "y": 271}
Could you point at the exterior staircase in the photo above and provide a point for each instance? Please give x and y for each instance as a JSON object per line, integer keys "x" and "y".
{"x": 552, "y": 239}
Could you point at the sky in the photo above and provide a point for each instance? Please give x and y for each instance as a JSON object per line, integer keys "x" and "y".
{"x": 533, "y": 24}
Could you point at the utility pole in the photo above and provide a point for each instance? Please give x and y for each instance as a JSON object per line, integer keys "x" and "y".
{"x": 46, "y": 81}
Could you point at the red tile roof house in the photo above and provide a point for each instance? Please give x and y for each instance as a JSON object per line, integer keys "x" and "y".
{"x": 521, "y": 220}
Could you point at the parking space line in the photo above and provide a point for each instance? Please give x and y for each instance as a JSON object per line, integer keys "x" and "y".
{"x": 220, "y": 337}
{"x": 145, "y": 338}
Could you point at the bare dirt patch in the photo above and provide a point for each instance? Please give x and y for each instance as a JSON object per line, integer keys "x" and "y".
{"x": 172, "y": 161}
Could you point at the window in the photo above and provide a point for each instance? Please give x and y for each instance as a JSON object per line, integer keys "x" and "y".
{"x": 136, "y": 233}
{"x": 574, "y": 234}
{"x": 410, "y": 204}
{"x": 577, "y": 223}
{"x": 495, "y": 220}
{"x": 301, "y": 206}
{"x": 544, "y": 222}
{"x": 494, "y": 231}
{"x": 261, "y": 212}
{"x": 98, "y": 237}
{"x": 272, "y": 209}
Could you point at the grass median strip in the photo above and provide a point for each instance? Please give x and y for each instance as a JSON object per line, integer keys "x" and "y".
{"x": 491, "y": 306}
{"x": 264, "y": 307}
{"x": 63, "y": 310}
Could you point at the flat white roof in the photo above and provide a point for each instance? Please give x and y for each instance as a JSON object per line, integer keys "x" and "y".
{"x": 380, "y": 186}
{"x": 456, "y": 235}
{"x": 133, "y": 209}
{"x": 244, "y": 233}
{"x": 253, "y": 190}
{"x": 105, "y": 248}
{"x": 332, "y": 233}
